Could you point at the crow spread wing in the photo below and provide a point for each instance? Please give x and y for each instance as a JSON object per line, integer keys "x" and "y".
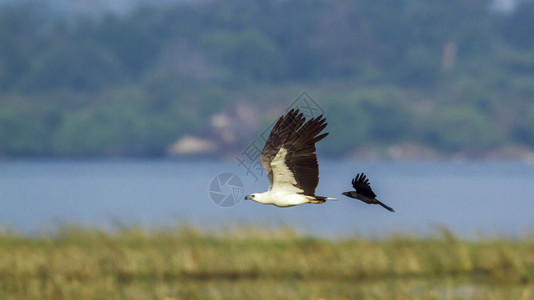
{"x": 362, "y": 186}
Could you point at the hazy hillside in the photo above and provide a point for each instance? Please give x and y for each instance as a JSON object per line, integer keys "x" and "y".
{"x": 395, "y": 78}
{"x": 93, "y": 7}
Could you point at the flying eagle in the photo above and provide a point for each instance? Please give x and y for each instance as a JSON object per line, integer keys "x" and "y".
{"x": 290, "y": 161}
{"x": 364, "y": 192}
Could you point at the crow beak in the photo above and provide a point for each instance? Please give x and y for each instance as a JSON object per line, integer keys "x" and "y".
{"x": 346, "y": 194}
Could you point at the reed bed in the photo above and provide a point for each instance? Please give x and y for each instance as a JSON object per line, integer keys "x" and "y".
{"x": 245, "y": 263}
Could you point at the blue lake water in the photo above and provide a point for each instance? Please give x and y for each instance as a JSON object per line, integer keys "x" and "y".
{"x": 469, "y": 198}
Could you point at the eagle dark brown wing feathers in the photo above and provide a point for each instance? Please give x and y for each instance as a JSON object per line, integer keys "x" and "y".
{"x": 298, "y": 138}
{"x": 301, "y": 158}
{"x": 282, "y": 131}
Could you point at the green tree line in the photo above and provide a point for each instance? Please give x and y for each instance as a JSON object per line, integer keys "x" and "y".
{"x": 451, "y": 76}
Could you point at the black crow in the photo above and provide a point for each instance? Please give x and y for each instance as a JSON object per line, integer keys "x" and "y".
{"x": 364, "y": 192}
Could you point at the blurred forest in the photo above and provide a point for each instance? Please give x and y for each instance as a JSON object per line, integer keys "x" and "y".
{"x": 415, "y": 77}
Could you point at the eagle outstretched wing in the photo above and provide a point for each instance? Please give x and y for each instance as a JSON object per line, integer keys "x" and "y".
{"x": 289, "y": 153}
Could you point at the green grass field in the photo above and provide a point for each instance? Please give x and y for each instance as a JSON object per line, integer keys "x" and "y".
{"x": 258, "y": 264}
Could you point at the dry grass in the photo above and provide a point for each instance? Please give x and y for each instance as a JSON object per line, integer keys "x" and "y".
{"x": 250, "y": 263}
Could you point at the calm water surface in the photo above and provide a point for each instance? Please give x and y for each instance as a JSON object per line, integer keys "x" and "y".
{"x": 469, "y": 198}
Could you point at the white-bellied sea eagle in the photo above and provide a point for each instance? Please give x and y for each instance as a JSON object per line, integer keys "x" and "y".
{"x": 290, "y": 161}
